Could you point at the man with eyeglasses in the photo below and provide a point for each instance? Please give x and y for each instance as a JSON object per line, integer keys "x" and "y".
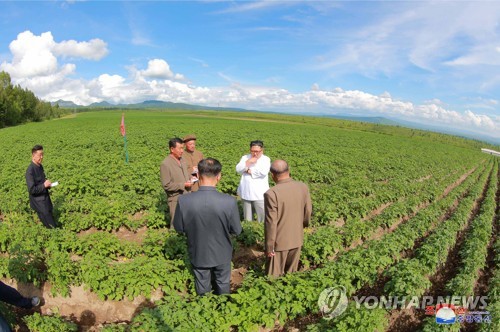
{"x": 254, "y": 169}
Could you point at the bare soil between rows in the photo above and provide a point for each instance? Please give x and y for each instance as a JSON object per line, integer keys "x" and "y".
{"x": 84, "y": 307}
{"x": 400, "y": 320}
{"x": 413, "y": 319}
{"x": 90, "y": 313}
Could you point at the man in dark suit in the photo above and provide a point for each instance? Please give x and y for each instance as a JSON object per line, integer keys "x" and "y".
{"x": 287, "y": 209}
{"x": 208, "y": 217}
{"x": 38, "y": 188}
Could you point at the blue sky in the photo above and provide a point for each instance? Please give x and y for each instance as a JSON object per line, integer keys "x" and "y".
{"x": 435, "y": 62}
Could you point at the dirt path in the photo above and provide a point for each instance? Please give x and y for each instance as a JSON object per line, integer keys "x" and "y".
{"x": 84, "y": 307}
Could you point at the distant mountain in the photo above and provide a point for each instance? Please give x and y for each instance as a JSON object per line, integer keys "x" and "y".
{"x": 451, "y": 131}
{"x": 415, "y": 125}
{"x": 158, "y": 104}
{"x": 65, "y": 103}
{"x": 370, "y": 119}
{"x": 164, "y": 104}
{"x": 171, "y": 105}
{"x": 101, "y": 104}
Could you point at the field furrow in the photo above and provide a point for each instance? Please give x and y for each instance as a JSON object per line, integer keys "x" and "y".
{"x": 389, "y": 206}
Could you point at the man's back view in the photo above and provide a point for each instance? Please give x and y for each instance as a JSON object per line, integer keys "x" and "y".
{"x": 288, "y": 210}
{"x": 208, "y": 217}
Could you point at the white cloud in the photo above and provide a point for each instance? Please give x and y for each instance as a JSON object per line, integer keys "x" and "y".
{"x": 245, "y": 6}
{"x": 94, "y": 49}
{"x": 438, "y": 37}
{"x": 362, "y": 103}
{"x": 201, "y": 62}
{"x": 480, "y": 55}
{"x": 480, "y": 121}
{"x": 159, "y": 68}
{"x": 140, "y": 40}
{"x": 34, "y": 56}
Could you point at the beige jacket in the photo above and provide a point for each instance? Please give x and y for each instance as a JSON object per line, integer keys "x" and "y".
{"x": 173, "y": 177}
{"x": 288, "y": 210}
{"x": 192, "y": 159}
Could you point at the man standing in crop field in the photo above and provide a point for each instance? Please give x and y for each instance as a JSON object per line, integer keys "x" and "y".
{"x": 38, "y": 188}
{"x": 288, "y": 210}
{"x": 193, "y": 157}
{"x": 208, "y": 218}
{"x": 254, "y": 170}
{"x": 174, "y": 175}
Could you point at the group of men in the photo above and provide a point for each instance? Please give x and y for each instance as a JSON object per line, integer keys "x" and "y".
{"x": 208, "y": 217}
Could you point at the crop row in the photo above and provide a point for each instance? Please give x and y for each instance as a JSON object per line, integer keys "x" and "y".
{"x": 410, "y": 277}
{"x": 494, "y": 285}
{"x": 111, "y": 268}
{"x": 262, "y": 301}
{"x": 473, "y": 253}
{"x": 408, "y": 283}
{"x": 326, "y": 241}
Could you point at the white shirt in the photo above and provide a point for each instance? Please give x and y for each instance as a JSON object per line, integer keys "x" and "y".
{"x": 253, "y": 186}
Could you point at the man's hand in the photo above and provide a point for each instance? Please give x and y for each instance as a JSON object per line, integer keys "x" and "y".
{"x": 271, "y": 254}
{"x": 251, "y": 161}
{"x": 47, "y": 184}
{"x": 188, "y": 184}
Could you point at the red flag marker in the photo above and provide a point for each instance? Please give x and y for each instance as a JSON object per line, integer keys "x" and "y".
{"x": 122, "y": 125}
{"x": 122, "y": 131}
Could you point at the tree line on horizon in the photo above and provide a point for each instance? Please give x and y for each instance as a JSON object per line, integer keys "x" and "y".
{"x": 18, "y": 105}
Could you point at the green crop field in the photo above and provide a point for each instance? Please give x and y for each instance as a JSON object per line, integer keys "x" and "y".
{"x": 396, "y": 212}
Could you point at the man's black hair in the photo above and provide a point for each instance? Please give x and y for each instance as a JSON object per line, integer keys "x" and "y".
{"x": 257, "y": 143}
{"x": 172, "y": 143}
{"x": 36, "y": 148}
{"x": 209, "y": 167}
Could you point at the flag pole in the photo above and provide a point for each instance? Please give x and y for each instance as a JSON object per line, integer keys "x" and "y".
{"x": 125, "y": 147}
{"x": 124, "y": 134}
